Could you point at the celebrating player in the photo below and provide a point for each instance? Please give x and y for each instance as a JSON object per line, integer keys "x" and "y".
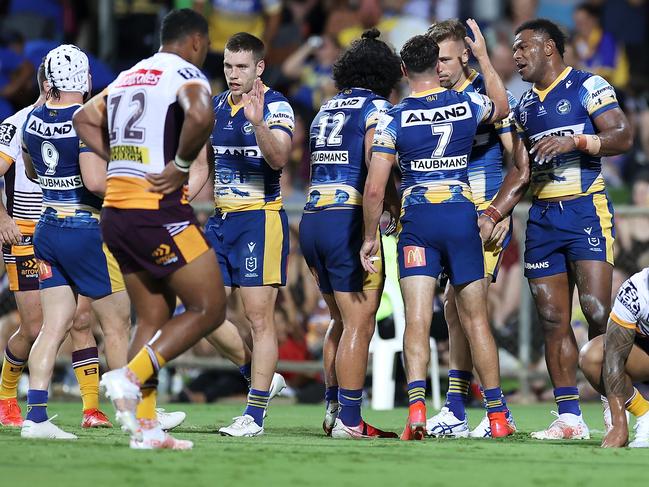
{"x": 151, "y": 123}
{"x": 17, "y": 224}
{"x": 614, "y": 362}
{"x": 249, "y": 229}
{"x": 567, "y": 121}
{"x": 67, "y": 239}
{"x": 439, "y": 225}
{"x": 340, "y": 141}
{"x": 485, "y": 177}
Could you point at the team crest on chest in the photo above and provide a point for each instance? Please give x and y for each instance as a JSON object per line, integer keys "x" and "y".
{"x": 563, "y": 107}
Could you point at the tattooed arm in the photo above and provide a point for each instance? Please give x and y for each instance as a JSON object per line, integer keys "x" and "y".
{"x": 617, "y": 346}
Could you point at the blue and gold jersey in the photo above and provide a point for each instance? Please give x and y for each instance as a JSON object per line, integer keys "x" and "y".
{"x": 243, "y": 180}
{"x": 434, "y": 169}
{"x": 337, "y": 144}
{"x": 567, "y": 107}
{"x": 486, "y": 161}
{"x": 54, "y": 148}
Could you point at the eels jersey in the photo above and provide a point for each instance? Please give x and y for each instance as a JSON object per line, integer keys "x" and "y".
{"x": 54, "y": 147}
{"x": 337, "y": 146}
{"x": 567, "y": 107}
{"x": 434, "y": 169}
{"x": 486, "y": 161}
{"x": 242, "y": 178}
{"x": 144, "y": 124}
{"x": 24, "y": 197}
{"x": 631, "y": 306}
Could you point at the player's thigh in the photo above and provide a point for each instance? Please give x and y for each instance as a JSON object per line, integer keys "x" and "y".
{"x": 259, "y": 302}
{"x": 152, "y": 300}
{"x": 552, "y": 298}
{"x": 358, "y": 309}
{"x": 30, "y": 311}
{"x": 113, "y": 310}
{"x": 59, "y": 305}
{"x": 594, "y": 280}
{"x": 637, "y": 365}
{"x": 418, "y": 293}
{"x": 334, "y": 310}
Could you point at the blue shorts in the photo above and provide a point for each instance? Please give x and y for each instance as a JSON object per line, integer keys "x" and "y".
{"x": 251, "y": 246}
{"x": 441, "y": 237}
{"x": 568, "y": 231}
{"x": 70, "y": 252}
{"x": 331, "y": 241}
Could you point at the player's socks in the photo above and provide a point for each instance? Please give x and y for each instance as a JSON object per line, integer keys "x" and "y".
{"x": 416, "y": 392}
{"x": 257, "y": 404}
{"x": 350, "y": 406}
{"x": 146, "y": 363}
{"x": 494, "y": 400}
{"x": 246, "y": 372}
{"x": 458, "y": 392}
{"x": 36, "y": 405}
{"x": 567, "y": 399}
{"x": 146, "y": 407}
{"x": 331, "y": 394}
{"x": 85, "y": 363}
{"x": 637, "y": 404}
{"x": 12, "y": 368}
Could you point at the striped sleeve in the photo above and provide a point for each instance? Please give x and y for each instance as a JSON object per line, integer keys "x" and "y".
{"x": 597, "y": 96}
{"x": 385, "y": 135}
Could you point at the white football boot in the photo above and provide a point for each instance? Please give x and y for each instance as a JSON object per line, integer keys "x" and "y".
{"x": 331, "y": 414}
{"x": 567, "y": 426}
{"x": 641, "y": 428}
{"x": 169, "y": 421}
{"x": 242, "y": 426}
{"x": 277, "y": 385}
{"x": 124, "y": 392}
{"x": 446, "y": 425}
{"x": 45, "y": 430}
{"x": 154, "y": 438}
{"x": 483, "y": 430}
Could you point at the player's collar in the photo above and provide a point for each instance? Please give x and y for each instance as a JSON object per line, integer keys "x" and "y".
{"x": 543, "y": 93}
{"x": 468, "y": 81}
{"x": 432, "y": 91}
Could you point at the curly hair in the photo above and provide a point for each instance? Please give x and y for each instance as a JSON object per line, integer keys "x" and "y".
{"x": 420, "y": 54}
{"x": 368, "y": 63}
{"x": 547, "y": 27}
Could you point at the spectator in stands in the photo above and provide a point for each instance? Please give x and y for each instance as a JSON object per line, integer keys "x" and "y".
{"x": 311, "y": 65}
{"x": 227, "y": 17}
{"x": 16, "y": 78}
{"x": 598, "y": 51}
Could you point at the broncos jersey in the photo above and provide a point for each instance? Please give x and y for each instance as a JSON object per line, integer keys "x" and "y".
{"x": 486, "y": 161}
{"x": 144, "y": 124}
{"x": 54, "y": 147}
{"x": 631, "y": 306}
{"x": 337, "y": 143}
{"x": 243, "y": 180}
{"x": 23, "y": 196}
{"x": 567, "y": 107}
{"x": 434, "y": 169}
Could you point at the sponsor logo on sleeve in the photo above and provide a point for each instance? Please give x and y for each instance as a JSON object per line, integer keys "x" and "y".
{"x": 7, "y": 132}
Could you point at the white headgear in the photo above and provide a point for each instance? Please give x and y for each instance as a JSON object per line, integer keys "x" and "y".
{"x": 66, "y": 68}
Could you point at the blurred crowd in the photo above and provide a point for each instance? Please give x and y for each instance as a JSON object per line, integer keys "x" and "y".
{"x": 303, "y": 39}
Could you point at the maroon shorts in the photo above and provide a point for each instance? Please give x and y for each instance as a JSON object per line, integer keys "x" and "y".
{"x": 156, "y": 241}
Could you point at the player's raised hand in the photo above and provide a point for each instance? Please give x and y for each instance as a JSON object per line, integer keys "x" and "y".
{"x": 368, "y": 252}
{"x": 9, "y": 232}
{"x": 478, "y": 45}
{"x": 168, "y": 181}
{"x": 617, "y": 437}
{"x": 253, "y": 103}
{"x": 548, "y": 148}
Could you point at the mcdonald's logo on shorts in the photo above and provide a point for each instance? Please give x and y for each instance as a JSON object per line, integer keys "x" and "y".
{"x": 414, "y": 256}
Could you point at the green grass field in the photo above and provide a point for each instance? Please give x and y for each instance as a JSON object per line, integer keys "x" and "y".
{"x": 295, "y": 452}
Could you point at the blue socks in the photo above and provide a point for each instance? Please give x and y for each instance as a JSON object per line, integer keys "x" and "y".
{"x": 567, "y": 399}
{"x": 494, "y": 400}
{"x": 331, "y": 394}
{"x": 257, "y": 404}
{"x": 350, "y": 406}
{"x": 36, "y": 405}
{"x": 458, "y": 392}
{"x": 416, "y": 392}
